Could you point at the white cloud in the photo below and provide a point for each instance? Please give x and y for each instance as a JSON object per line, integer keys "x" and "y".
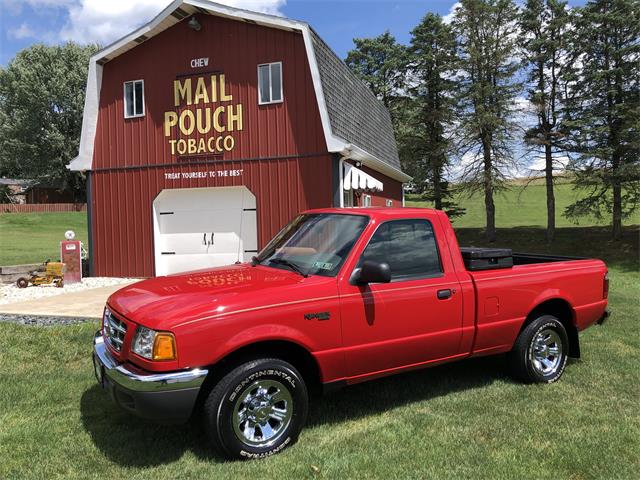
{"x": 105, "y": 21}
{"x": 23, "y": 31}
{"x": 448, "y": 18}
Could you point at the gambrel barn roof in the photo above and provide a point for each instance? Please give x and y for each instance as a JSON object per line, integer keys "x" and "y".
{"x": 355, "y": 123}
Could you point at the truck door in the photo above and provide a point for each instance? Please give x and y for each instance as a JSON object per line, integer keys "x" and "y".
{"x": 417, "y": 317}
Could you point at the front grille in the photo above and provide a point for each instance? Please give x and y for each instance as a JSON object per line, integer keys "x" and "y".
{"x": 114, "y": 330}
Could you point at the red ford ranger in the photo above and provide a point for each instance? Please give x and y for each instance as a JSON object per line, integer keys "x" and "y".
{"x": 339, "y": 296}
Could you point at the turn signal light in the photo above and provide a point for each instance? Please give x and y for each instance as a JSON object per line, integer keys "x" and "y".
{"x": 605, "y": 287}
{"x": 164, "y": 347}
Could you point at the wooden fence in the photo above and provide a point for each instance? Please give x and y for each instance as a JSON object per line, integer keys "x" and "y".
{"x": 42, "y": 207}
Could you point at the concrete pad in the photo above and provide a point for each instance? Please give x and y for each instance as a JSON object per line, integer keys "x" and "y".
{"x": 85, "y": 303}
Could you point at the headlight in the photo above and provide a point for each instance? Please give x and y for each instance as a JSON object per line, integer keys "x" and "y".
{"x": 154, "y": 345}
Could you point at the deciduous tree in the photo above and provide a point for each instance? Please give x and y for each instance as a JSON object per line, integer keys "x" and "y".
{"x": 41, "y": 103}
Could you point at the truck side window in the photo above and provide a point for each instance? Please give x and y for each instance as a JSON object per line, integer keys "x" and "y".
{"x": 408, "y": 246}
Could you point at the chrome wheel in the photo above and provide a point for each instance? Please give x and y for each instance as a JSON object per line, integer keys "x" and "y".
{"x": 545, "y": 352}
{"x": 262, "y": 413}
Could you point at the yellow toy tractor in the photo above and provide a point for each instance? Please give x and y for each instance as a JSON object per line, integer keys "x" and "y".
{"x": 53, "y": 274}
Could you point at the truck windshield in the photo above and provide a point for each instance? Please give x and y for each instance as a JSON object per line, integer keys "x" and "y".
{"x": 313, "y": 244}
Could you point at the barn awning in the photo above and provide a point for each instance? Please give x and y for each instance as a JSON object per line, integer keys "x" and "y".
{"x": 356, "y": 179}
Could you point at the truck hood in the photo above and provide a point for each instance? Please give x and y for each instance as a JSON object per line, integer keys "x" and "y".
{"x": 162, "y": 303}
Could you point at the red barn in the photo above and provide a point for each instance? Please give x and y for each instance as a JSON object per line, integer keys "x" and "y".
{"x": 209, "y": 128}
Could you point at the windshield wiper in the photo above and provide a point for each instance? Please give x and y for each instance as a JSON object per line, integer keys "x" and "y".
{"x": 291, "y": 265}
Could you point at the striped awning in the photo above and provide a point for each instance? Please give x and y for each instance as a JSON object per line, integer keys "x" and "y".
{"x": 356, "y": 179}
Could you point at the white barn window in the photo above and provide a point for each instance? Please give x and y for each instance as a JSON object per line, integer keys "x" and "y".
{"x": 269, "y": 83}
{"x": 366, "y": 201}
{"x": 134, "y": 99}
{"x": 347, "y": 198}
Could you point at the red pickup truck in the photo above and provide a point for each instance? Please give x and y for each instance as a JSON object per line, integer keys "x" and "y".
{"x": 339, "y": 296}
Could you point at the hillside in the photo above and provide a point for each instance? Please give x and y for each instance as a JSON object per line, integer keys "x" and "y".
{"x": 520, "y": 206}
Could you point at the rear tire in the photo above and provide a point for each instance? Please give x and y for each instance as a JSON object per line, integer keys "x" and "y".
{"x": 22, "y": 282}
{"x": 257, "y": 409}
{"x": 539, "y": 354}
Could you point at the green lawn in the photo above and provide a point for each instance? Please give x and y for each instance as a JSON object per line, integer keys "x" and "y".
{"x": 520, "y": 206}
{"x": 35, "y": 237}
{"x": 32, "y": 238}
{"x": 463, "y": 420}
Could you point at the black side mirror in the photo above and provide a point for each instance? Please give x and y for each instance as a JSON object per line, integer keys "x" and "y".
{"x": 372, "y": 272}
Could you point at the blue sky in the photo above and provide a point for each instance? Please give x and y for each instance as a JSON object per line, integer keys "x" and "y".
{"x": 24, "y": 22}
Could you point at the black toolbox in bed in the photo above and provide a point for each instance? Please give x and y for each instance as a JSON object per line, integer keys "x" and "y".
{"x": 487, "y": 258}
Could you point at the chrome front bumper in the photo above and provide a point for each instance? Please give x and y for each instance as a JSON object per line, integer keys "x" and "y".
{"x": 166, "y": 397}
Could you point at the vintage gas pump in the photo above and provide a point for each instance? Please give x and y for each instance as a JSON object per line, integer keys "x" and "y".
{"x": 71, "y": 256}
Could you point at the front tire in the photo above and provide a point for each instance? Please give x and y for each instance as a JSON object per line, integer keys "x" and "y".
{"x": 541, "y": 351}
{"x": 256, "y": 410}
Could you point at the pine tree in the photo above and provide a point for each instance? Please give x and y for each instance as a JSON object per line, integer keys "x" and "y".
{"x": 487, "y": 31}
{"x": 432, "y": 64}
{"x": 381, "y": 63}
{"x": 544, "y": 27}
{"x": 602, "y": 118}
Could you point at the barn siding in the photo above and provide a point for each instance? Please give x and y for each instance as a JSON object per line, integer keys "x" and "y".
{"x": 234, "y": 48}
{"x": 122, "y": 204}
{"x": 281, "y": 149}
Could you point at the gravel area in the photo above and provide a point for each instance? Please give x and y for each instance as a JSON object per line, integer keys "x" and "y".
{"x": 12, "y": 294}
{"x": 46, "y": 321}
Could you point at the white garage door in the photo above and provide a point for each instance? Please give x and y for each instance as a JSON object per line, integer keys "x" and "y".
{"x": 203, "y": 227}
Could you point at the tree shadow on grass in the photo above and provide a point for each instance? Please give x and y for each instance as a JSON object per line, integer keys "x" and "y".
{"x": 133, "y": 442}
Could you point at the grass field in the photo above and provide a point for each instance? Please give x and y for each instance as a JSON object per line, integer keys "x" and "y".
{"x": 35, "y": 237}
{"x": 521, "y": 206}
{"x": 32, "y": 238}
{"x": 463, "y": 420}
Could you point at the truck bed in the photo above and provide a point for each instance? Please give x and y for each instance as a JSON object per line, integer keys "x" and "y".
{"x": 532, "y": 258}
{"x": 504, "y": 296}
{"x": 478, "y": 259}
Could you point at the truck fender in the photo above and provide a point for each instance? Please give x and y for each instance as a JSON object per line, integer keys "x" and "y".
{"x": 553, "y": 303}
{"x": 288, "y": 342}
{"x": 267, "y": 332}
{"x": 551, "y": 294}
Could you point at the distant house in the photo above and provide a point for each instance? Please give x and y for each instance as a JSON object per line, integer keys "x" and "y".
{"x": 30, "y": 191}
{"x": 13, "y": 190}
{"x": 49, "y": 192}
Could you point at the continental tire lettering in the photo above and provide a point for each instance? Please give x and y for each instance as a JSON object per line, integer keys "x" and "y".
{"x": 273, "y": 451}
